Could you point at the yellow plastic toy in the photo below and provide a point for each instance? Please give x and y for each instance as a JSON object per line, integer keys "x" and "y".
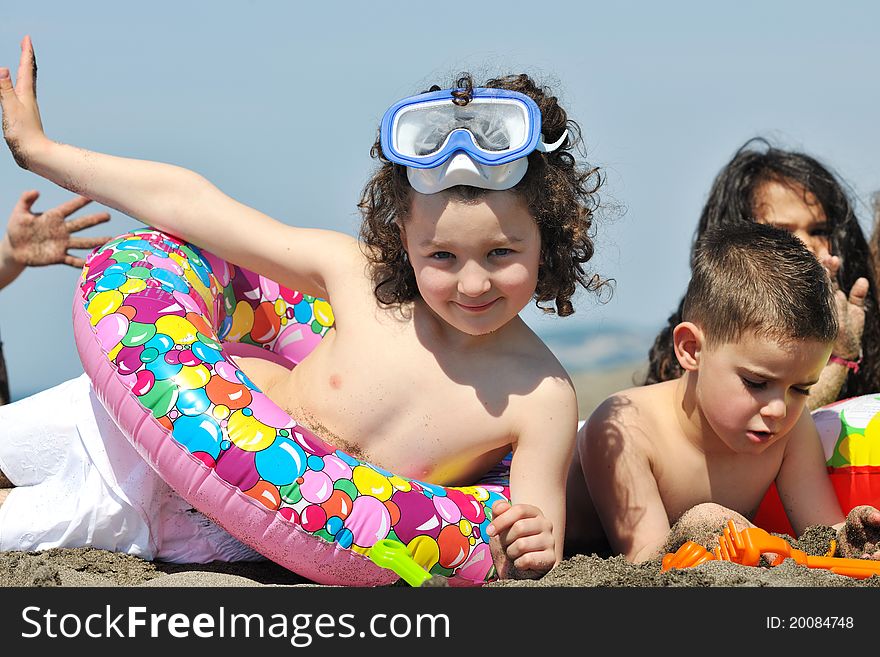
{"x": 393, "y": 555}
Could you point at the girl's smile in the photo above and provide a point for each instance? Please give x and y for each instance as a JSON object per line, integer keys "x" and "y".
{"x": 475, "y": 308}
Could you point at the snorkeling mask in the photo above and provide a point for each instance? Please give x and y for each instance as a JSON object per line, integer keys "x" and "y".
{"x": 484, "y": 143}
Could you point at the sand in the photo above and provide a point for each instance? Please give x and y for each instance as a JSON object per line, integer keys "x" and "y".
{"x": 94, "y": 568}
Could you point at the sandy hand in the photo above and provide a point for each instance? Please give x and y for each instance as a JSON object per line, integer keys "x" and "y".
{"x": 850, "y": 312}
{"x": 44, "y": 238}
{"x": 859, "y": 538}
{"x": 521, "y": 542}
{"x": 22, "y": 127}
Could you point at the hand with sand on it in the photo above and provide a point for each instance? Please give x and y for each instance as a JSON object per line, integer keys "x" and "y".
{"x": 850, "y": 312}
{"x": 521, "y": 541}
{"x": 36, "y": 239}
{"x": 859, "y": 538}
{"x": 22, "y": 127}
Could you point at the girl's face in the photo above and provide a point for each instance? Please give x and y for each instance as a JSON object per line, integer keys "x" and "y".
{"x": 475, "y": 263}
{"x": 791, "y": 207}
{"x": 752, "y": 392}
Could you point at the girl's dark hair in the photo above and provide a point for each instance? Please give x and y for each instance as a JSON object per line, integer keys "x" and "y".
{"x": 732, "y": 199}
{"x": 560, "y": 194}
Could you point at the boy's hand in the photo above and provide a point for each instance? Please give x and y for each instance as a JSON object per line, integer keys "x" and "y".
{"x": 43, "y": 238}
{"x": 521, "y": 540}
{"x": 859, "y": 538}
{"x": 22, "y": 127}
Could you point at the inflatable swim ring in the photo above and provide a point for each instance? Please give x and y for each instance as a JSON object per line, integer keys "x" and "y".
{"x": 850, "y": 433}
{"x": 156, "y": 321}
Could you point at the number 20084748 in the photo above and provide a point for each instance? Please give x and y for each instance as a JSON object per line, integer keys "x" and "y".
{"x": 810, "y": 623}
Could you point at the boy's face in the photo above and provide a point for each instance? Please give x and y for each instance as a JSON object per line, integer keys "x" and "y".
{"x": 752, "y": 392}
{"x": 475, "y": 263}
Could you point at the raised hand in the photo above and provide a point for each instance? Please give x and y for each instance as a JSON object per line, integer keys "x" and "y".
{"x": 22, "y": 127}
{"x": 522, "y": 541}
{"x": 35, "y": 239}
{"x": 850, "y": 312}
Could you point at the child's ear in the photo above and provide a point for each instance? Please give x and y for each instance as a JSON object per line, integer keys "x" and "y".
{"x": 688, "y": 341}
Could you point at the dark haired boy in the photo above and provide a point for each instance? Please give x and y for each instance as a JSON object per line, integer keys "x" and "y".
{"x": 758, "y": 326}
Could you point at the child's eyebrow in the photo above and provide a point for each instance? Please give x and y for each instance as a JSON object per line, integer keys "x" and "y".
{"x": 769, "y": 377}
{"x": 493, "y": 242}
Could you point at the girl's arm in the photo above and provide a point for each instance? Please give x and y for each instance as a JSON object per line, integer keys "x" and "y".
{"x": 531, "y": 531}
{"x": 827, "y": 389}
{"x": 168, "y": 197}
{"x": 848, "y": 345}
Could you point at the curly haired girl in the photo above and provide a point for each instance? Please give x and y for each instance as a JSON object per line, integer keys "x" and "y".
{"x": 478, "y": 208}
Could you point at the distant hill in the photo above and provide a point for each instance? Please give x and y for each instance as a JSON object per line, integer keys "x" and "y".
{"x": 600, "y": 348}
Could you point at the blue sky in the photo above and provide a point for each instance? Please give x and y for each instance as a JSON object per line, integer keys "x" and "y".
{"x": 277, "y": 103}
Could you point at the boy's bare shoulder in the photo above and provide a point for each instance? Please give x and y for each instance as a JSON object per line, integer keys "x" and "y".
{"x": 634, "y": 412}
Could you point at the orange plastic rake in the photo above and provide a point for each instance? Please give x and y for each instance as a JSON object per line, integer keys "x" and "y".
{"x": 746, "y": 547}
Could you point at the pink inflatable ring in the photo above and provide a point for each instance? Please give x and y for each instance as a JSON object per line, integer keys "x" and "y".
{"x": 156, "y": 321}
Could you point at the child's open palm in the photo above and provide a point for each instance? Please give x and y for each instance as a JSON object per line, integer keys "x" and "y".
{"x": 44, "y": 238}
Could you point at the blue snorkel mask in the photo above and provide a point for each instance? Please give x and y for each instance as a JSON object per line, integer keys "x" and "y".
{"x": 482, "y": 143}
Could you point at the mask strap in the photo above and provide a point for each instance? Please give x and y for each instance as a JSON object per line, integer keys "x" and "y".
{"x": 547, "y": 148}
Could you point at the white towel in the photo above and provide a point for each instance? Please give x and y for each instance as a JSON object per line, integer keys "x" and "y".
{"x": 80, "y": 483}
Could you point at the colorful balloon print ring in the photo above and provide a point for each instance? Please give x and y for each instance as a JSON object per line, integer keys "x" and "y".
{"x": 156, "y": 321}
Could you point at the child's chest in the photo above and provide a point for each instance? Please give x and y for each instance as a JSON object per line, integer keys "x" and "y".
{"x": 395, "y": 404}
{"x": 737, "y": 482}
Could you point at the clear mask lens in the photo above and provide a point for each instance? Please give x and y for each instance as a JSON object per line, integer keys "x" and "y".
{"x": 497, "y": 126}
